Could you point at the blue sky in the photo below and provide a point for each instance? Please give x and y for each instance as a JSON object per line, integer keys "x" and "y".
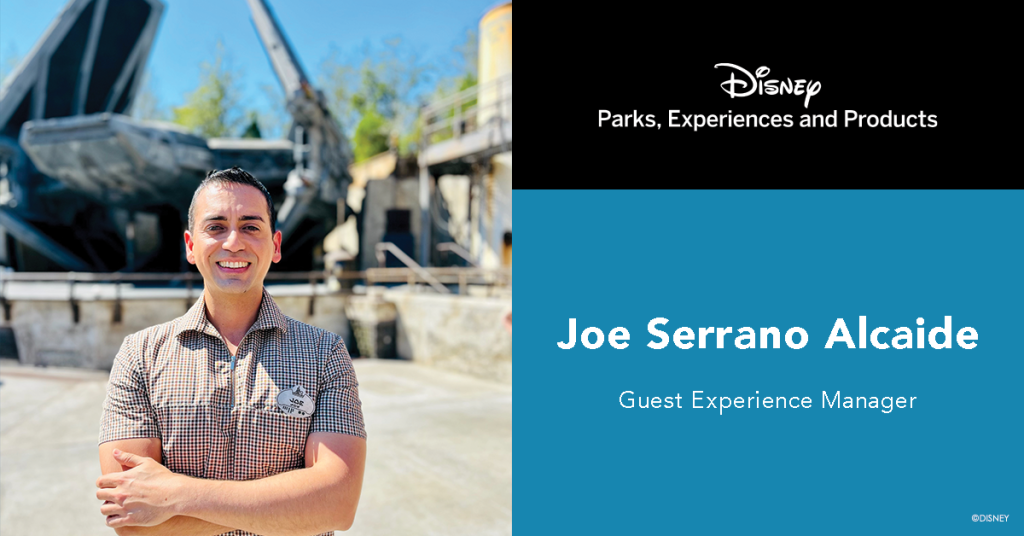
{"x": 190, "y": 29}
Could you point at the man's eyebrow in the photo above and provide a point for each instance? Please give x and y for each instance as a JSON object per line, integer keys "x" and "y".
{"x": 251, "y": 217}
{"x": 243, "y": 218}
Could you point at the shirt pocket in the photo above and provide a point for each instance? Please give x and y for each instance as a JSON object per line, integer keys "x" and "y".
{"x": 274, "y": 441}
{"x": 272, "y": 377}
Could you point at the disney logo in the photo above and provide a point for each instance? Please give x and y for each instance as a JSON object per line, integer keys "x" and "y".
{"x": 770, "y": 87}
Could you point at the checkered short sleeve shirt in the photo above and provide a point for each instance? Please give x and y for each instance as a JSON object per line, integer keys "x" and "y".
{"x": 232, "y": 418}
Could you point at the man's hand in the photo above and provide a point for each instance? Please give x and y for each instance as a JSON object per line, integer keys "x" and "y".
{"x": 146, "y": 498}
{"x": 141, "y": 496}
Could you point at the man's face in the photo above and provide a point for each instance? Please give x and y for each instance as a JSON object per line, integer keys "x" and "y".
{"x": 232, "y": 243}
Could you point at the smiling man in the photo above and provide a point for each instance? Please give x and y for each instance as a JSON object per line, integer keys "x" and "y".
{"x": 232, "y": 419}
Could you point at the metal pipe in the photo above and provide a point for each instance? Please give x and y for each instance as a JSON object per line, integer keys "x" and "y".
{"x": 424, "y": 213}
{"x": 458, "y": 250}
{"x": 400, "y": 255}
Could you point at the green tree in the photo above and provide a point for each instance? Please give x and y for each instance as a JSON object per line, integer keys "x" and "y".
{"x": 464, "y": 62}
{"x": 371, "y": 136}
{"x": 376, "y": 93}
{"x": 374, "y": 102}
{"x": 468, "y": 53}
{"x": 212, "y": 110}
{"x": 373, "y": 95}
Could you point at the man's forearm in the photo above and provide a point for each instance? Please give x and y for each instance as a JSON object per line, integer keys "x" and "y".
{"x": 177, "y": 526}
{"x": 300, "y": 502}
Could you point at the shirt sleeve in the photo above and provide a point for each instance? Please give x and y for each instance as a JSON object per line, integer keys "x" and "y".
{"x": 338, "y": 408}
{"x": 127, "y": 411}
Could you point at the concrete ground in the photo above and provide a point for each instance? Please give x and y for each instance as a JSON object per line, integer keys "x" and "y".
{"x": 439, "y": 455}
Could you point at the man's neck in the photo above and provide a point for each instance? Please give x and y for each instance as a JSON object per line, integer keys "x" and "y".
{"x": 233, "y": 315}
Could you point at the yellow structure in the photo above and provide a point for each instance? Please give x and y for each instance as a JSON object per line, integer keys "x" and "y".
{"x": 495, "y": 62}
{"x": 493, "y": 243}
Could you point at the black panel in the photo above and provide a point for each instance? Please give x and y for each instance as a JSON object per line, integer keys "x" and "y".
{"x": 398, "y": 221}
{"x": 8, "y": 346}
{"x": 65, "y": 65}
{"x": 122, "y": 101}
{"x": 122, "y": 26}
{"x": 13, "y": 127}
{"x": 297, "y": 250}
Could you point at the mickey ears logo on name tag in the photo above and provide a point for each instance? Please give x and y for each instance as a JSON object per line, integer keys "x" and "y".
{"x": 295, "y": 402}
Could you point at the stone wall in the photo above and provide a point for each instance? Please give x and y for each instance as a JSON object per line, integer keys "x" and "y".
{"x": 46, "y": 333}
{"x": 458, "y": 333}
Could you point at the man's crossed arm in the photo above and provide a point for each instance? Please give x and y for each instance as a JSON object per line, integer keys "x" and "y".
{"x": 143, "y": 497}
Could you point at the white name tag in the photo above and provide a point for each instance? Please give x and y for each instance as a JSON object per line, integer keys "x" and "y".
{"x": 295, "y": 402}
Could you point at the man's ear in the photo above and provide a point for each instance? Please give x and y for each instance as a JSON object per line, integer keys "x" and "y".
{"x": 189, "y": 255}
{"x": 277, "y": 247}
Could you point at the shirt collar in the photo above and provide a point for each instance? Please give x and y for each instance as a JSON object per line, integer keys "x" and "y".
{"x": 269, "y": 317}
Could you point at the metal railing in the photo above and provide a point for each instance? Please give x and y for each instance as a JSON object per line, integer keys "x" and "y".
{"x": 450, "y": 275}
{"x": 459, "y": 114}
{"x": 458, "y": 250}
{"x": 388, "y": 247}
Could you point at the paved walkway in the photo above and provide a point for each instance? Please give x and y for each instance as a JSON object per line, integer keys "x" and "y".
{"x": 439, "y": 458}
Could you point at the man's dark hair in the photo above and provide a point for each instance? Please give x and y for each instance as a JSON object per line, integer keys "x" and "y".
{"x": 236, "y": 175}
